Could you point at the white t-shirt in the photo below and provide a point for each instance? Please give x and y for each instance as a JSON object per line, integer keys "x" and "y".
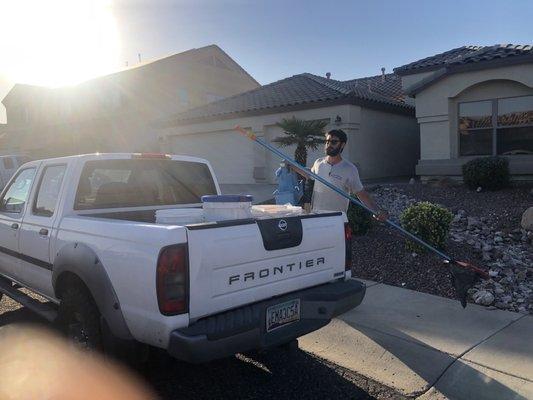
{"x": 343, "y": 175}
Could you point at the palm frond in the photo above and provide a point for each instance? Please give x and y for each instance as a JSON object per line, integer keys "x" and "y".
{"x": 302, "y": 133}
{"x": 285, "y": 141}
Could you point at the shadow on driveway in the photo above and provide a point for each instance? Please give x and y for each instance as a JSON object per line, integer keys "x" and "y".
{"x": 274, "y": 375}
{"x": 473, "y": 383}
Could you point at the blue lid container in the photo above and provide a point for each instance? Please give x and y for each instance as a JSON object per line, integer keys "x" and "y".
{"x": 227, "y": 198}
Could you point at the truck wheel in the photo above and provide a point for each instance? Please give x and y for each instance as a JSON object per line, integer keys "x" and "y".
{"x": 79, "y": 318}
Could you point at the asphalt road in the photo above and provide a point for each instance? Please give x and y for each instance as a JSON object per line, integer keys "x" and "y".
{"x": 274, "y": 375}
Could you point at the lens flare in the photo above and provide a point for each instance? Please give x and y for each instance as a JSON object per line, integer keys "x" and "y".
{"x": 57, "y": 42}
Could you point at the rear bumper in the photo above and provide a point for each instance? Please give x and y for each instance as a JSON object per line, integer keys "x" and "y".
{"x": 243, "y": 329}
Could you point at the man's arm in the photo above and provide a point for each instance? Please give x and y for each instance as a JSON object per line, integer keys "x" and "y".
{"x": 367, "y": 200}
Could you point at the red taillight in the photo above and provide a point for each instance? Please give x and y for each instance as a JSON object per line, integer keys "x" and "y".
{"x": 348, "y": 241}
{"x": 172, "y": 280}
{"x": 150, "y": 155}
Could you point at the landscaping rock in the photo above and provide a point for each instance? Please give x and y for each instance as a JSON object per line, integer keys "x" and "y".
{"x": 473, "y": 222}
{"x": 527, "y": 219}
{"x": 483, "y": 231}
{"x": 483, "y": 297}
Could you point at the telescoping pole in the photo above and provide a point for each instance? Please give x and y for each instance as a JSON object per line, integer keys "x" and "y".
{"x": 446, "y": 258}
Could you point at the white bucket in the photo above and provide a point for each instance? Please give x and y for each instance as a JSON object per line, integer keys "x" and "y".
{"x": 179, "y": 216}
{"x": 217, "y": 210}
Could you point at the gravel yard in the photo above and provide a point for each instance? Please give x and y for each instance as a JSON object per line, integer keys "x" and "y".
{"x": 486, "y": 231}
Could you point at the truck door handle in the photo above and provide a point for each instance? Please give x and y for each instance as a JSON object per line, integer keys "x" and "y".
{"x": 43, "y": 232}
{"x": 14, "y": 225}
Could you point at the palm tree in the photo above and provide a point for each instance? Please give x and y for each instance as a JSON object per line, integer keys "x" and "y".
{"x": 304, "y": 134}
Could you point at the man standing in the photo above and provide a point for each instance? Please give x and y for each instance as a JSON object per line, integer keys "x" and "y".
{"x": 342, "y": 174}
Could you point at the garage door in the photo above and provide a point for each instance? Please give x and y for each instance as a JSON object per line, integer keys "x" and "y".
{"x": 230, "y": 154}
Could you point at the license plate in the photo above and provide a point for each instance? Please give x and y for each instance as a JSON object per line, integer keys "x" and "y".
{"x": 282, "y": 314}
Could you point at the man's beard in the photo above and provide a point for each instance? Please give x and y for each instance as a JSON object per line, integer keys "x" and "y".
{"x": 332, "y": 152}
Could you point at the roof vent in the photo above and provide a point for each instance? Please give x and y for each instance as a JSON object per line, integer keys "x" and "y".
{"x": 382, "y": 74}
{"x": 328, "y": 75}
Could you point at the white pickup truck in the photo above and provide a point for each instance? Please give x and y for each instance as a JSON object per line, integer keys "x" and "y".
{"x": 81, "y": 232}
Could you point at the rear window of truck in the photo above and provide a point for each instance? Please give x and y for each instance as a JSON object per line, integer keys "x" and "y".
{"x": 138, "y": 183}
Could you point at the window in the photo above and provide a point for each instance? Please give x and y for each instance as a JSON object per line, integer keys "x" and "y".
{"x": 16, "y": 194}
{"x": 142, "y": 183}
{"x": 8, "y": 163}
{"x": 515, "y": 126}
{"x": 48, "y": 191}
{"x": 498, "y": 126}
{"x": 475, "y": 128}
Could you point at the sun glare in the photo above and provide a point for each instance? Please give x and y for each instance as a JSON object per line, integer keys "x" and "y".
{"x": 57, "y": 42}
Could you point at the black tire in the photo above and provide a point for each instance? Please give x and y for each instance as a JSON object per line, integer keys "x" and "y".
{"x": 79, "y": 318}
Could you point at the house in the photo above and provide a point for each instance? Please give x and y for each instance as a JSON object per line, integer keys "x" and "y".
{"x": 473, "y": 101}
{"x": 381, "y": 127}
{"x": 112, "y": 112}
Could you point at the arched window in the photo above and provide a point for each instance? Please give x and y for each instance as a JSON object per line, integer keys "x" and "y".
{"x": 501, "y": 126}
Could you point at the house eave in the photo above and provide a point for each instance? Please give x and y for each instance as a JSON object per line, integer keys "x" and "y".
{"x": 459, "y": 68}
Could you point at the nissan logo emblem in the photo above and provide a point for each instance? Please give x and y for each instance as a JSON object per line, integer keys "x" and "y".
{"x": 282, "y": 225}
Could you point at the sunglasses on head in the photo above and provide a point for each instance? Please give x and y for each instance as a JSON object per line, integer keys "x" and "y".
{"x": 332, "y": 141}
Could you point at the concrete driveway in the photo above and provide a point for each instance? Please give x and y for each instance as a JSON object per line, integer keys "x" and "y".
{"x": 429, "y": 346}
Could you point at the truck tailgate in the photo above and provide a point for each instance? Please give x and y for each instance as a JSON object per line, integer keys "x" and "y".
{"x": 232, "y": 265}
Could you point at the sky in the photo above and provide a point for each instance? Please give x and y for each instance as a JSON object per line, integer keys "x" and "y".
{"x": 66, "y": 41}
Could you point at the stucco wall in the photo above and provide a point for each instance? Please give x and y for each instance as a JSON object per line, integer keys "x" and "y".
{"x": 229, "y": 154}
{"x": 113, "y": 112}
{"x": 388, "y": 145}
{"x": 235, "y": 159}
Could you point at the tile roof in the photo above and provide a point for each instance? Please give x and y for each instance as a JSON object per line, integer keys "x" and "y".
{"x": 299, "y": 90}
{"x": 465, "y": 55}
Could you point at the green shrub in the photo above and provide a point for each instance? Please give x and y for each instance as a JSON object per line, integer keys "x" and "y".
{"x": 360, "y": 220}
{"x": 429, "y": 222}
{"x": 491, "y": 173}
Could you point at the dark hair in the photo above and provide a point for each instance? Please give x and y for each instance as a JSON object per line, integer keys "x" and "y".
{"x": 339, "y": 134}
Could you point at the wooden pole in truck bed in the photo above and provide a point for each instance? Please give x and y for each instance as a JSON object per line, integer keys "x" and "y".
{"x": 464, "y": 274}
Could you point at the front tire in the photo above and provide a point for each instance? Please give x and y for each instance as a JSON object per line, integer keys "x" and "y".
{"x": 79, "y": 318}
